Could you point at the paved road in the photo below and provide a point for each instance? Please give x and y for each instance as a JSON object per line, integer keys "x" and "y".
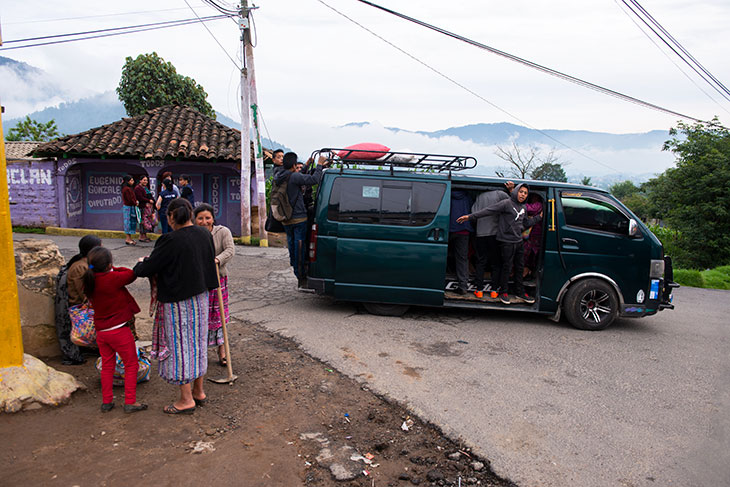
{"x": 644, "y": 403}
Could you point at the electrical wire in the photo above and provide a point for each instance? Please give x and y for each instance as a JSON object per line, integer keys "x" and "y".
{"x": 93, "y": 16}
{"x": 212, "y": 35}
{"x": 544, "y": 69}
{"x": 648, "y": 20}
{"x": 468, "y": 90}
{"x": 686, "y": 75}
{"x": 130, "y": 30}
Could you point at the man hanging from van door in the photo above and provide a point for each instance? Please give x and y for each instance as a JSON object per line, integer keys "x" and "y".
{"x": 487, "y": 246}
{"x": 513, "y": 221}
{"x": 296, "y": 226}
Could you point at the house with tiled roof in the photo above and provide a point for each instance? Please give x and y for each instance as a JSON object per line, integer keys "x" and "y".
{"x": 90, "y": 165}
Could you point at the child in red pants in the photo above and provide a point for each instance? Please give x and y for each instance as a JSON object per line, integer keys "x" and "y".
{"x": 114, "y": 308}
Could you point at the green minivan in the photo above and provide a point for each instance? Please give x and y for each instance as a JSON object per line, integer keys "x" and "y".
{"x": 380, "y": 236}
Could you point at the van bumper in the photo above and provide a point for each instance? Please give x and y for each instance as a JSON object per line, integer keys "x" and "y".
{"x": 667, "y": 285}
{"x": 316, "y": 283}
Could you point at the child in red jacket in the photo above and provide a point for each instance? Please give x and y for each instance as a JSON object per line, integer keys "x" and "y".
{"x": 113, "y": 307}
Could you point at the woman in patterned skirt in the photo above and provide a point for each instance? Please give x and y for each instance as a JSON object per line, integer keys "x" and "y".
{"x": 129, "y": 209}
{"x": 183, "y": 263}
{"x": 224, "y": 252}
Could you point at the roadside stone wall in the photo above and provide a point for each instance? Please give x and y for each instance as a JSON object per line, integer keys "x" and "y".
{"x": 33, "y": 196}
{"x": 37, "y": 263}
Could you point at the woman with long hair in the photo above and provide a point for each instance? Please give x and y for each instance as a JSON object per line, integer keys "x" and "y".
{"x": 224, "y": 252}
{"x": 183, "y": 262}
{"x": 144, "y": 198}
{"x": 129, "y": 209}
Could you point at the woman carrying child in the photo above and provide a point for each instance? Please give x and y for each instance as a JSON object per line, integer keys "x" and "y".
{"x": 114, "y": 307}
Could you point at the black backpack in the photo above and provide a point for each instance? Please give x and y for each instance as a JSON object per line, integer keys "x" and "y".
{"x": 281, "y": 208}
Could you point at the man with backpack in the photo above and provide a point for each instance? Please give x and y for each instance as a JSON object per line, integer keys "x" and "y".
{"x": 288, "y": 206}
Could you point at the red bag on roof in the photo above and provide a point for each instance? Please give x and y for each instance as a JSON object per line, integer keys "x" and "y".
{"x": 380, "y": 151}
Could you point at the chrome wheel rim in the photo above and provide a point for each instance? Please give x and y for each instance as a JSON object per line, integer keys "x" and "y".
{"x": 595, "y": 305}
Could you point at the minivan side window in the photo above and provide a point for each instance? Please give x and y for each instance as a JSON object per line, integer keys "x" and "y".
{"x": 384, "y": 202}
{"x": 594, "y": 212}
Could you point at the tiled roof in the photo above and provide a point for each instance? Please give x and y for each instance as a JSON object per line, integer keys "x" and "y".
{"x": 168, "y": 132}
{"x": 19, "y": 150}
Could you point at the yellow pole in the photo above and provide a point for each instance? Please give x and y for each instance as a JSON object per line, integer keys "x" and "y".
{"x": 11, "y": 338}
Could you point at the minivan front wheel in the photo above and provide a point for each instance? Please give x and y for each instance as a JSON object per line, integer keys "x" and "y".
{"x": 386, "y": 309}
{"x": 591, "y": 304}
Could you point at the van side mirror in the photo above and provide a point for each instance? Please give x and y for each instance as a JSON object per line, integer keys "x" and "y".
{"x": 633, "y": 228}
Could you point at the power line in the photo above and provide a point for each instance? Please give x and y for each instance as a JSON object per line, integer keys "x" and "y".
{"x": 544, "y": 69}
{"x": 93, "y": 16}
{"x": 423, "y": 63}
{"x": 686, "y": 75}
{"x": 111, "y": 32}
{"x": 213, "y": 36}
{"x": 671, "y": 42}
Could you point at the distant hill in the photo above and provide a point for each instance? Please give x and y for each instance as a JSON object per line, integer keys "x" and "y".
{"x": 95, "y": 111}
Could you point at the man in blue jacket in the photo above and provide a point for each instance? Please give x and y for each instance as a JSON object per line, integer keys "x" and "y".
{"x": 296, "y": 226}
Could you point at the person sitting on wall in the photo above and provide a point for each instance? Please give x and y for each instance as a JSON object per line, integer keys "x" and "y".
{"x": 296, "y": 226}
{"x": 187, "y": 190}
{"x": 70, "y": 292}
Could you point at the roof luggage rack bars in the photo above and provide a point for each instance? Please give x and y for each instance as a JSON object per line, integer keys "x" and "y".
{"x": 402, "y": 160}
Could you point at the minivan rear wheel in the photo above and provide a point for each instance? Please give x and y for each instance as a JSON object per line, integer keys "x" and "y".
{"x": 591, "y": 304}
{"x": 386, "y": 309}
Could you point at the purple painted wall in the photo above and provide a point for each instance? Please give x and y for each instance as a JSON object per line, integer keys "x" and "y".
{"x": 33, "y": 193}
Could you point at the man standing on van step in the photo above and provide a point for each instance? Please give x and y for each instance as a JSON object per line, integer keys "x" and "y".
{"x": 487, "y": 246}
{"x": 512, "y": 222}
{"x": 459, "y": 238}
{"x": 296, "y": 226}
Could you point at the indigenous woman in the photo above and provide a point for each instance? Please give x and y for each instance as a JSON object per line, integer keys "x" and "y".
{"x": 183, "y": 262}
{"x": 224, "y": 252}
{"x": 144, "y": 197}
{"x": 129, "y": 210}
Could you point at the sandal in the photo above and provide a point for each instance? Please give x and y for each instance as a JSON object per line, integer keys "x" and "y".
{"x": 223, "y": 362}
{"x": 200, "y": 402}
{"x": 171, "y": 409}
{"x": 131, "y": 243}
{"x": 145, "y": 240}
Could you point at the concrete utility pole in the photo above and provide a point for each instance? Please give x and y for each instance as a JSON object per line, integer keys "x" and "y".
{"x": 249, "y": 105}
{"x": 245, "y": 130}
{"x": 11, "y": 338}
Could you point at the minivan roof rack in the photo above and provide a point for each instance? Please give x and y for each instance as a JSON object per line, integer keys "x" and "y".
{"x": 392, "y": 159}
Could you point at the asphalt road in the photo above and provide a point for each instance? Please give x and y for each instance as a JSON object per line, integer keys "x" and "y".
{"x": 644, "y": 403}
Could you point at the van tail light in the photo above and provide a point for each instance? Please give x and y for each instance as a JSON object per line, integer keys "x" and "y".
{"x": 313, "y": 244}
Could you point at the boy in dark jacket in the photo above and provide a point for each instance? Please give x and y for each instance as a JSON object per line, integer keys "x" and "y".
{"x": 512, "y": 222}
{"x": 459, "y": 238}
{"x": 296, "y": 226}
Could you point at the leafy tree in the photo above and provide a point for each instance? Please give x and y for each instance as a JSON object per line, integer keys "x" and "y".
{"x": 30, "y": 129}
{"x": 523, "y": 160}
{"x": 586, "y": 181}
{"x": 623, "y": 189}
{"x": 149, "y": 82}
{"x": 693, "y": 197}
{"x": 549, "y": 172}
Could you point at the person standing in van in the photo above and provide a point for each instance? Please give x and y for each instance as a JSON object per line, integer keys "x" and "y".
{"x": 296, "y": 226}
{"x": 512, "y": 222}
{"x": 487, "y": 246}
{"x": 459, "y": 239}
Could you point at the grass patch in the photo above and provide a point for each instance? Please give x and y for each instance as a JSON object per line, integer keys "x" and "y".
{"x": 22, "y": 229}
{"x": 717, "y": 278}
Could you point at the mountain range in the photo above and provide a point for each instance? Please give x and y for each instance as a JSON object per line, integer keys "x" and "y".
{"x": 605, "y": 157}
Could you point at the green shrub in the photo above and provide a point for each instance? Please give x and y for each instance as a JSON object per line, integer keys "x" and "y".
{"x": 714, "y": 279}
{"x": 725, "y": 269}
{"x": 672, "y": 242}
{"x": 22, "y": 229}
{"x": 688, "y": 277}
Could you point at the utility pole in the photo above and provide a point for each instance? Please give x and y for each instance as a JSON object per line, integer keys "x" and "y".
{"x": 11, "y": 338}
{"x": 245, "y": 129}
{"x": 258, "y": 149}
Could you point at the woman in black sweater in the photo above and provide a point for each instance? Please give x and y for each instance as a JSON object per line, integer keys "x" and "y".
{"x": 183, "y": 263}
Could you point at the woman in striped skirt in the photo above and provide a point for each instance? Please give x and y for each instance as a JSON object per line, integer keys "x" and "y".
{"x": 183, "y": 263}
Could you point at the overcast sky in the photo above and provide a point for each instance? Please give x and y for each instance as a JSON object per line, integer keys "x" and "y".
{"x": 315, "y": 66}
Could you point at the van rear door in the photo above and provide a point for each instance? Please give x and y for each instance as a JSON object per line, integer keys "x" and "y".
{"x": 392, "y": 238}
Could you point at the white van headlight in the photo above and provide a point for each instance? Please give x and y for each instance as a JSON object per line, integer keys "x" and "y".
{"x": 656, "y": 270}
